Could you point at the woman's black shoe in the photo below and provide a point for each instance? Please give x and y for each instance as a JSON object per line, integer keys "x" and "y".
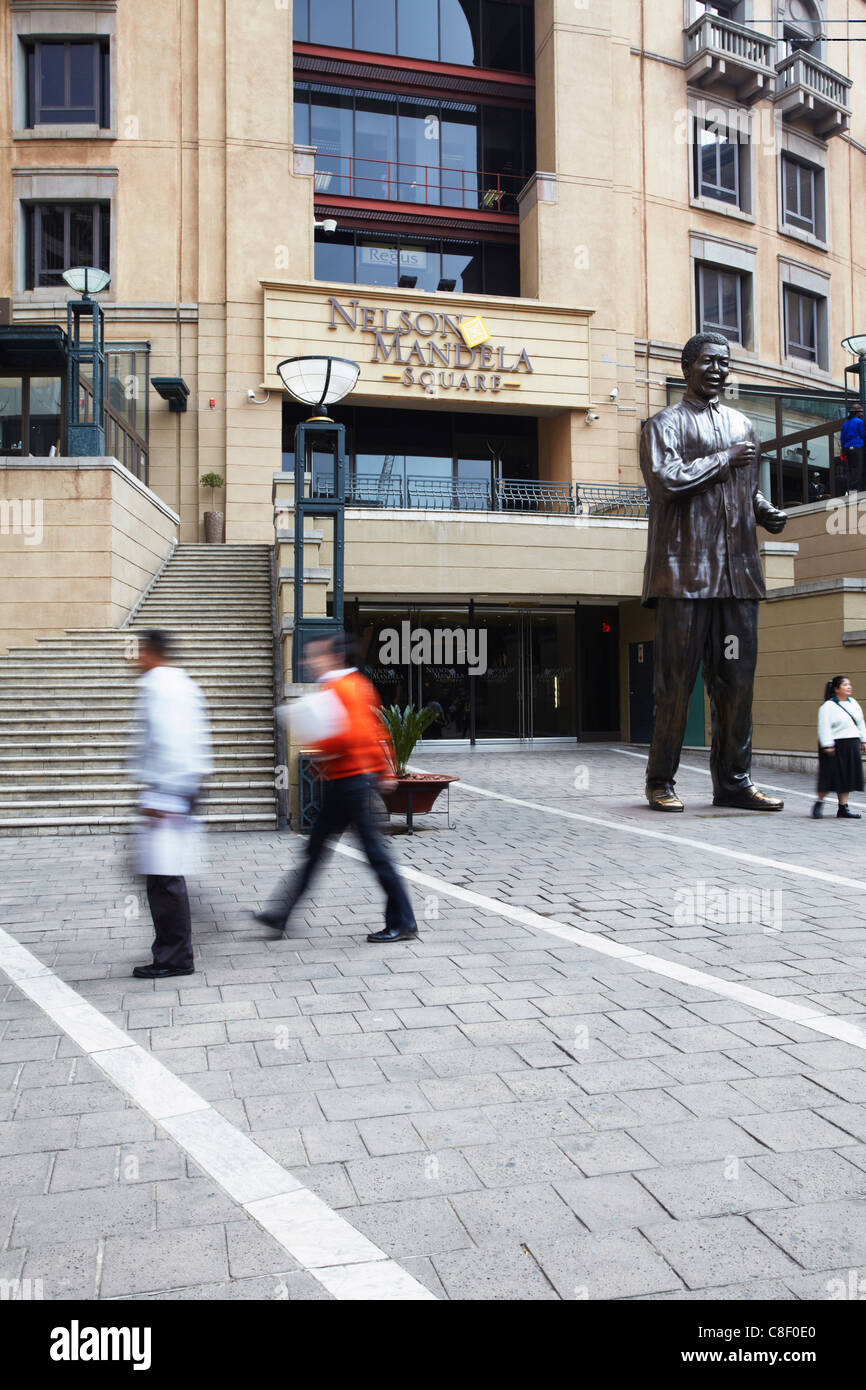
{"x": 845, "y": 813}
{"x": 818, "y": 810}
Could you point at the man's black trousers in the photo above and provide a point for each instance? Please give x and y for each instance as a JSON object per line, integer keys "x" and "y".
{"x": 169, "y": 907}
{"x": 345, "y": 803}
{"x": 722, "y": 635}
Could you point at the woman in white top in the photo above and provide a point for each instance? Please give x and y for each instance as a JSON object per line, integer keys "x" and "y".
{"x": 841, "y": 743}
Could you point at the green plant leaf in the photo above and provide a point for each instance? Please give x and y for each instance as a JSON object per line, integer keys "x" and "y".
{"x": 405, "y": 727}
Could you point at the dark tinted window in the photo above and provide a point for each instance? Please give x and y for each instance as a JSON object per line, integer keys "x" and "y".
{"x": 335, "y": 257}
{"x": 63, "y": 235}
{"x": 301, "y": 112}
{"x": 374, "y": 258}
{"x": 68, "y": 83}
{"x": 500, "y": 35}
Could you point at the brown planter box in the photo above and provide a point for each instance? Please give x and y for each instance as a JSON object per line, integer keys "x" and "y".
{"x": 424, "y": 788}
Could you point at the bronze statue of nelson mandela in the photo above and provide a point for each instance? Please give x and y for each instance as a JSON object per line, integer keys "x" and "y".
{"x": 703, "y": 576}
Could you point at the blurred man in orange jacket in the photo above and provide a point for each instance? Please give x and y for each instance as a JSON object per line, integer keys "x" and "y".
{"x": 351, "y": 751}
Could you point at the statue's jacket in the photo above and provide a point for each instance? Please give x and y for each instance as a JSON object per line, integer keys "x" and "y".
{"x": 702, "y": 542}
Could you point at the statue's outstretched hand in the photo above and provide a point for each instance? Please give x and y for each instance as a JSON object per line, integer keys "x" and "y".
{"x": 774, "y": 521}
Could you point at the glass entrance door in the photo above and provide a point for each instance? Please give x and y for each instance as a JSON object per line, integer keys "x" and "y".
{"x": 525, "y": 684}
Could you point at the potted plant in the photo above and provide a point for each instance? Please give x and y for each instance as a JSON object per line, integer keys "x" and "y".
{"x": 415, "y": 792}
{"x": 214, "y": 522}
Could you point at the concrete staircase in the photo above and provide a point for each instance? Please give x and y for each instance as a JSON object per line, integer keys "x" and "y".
{"x": 65, "y": 705}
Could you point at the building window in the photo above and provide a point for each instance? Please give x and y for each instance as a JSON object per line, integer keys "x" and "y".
{"x": 717, "y": 166}
{"x": 31, "y": 415}
{"x": 803, "y": 197}
{"x": 68, "y": 83}
{"x": 721, "y": 295}
{"x": 415, "y": 150}
{"x": 369, "y": 258}
{"x": 476, "y": 33}
{"x": 400, "y": 449}
{"x": 720, "y": 8}
{"x": 801, "y": 325}
{"x": 60, "y": 235}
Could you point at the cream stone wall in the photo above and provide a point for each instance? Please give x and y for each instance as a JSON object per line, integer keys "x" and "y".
{"x": 446, "y": 555}
{"x": 801, "y": 647}
{"x": 79, "y": 541}
{"x": 832, "y": 538}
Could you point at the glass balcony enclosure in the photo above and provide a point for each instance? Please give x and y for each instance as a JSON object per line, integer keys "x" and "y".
{"x": 374, "y": 145}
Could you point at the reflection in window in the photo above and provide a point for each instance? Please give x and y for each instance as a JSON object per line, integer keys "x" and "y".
{"x": 31, "y": 415}
{"x": 720, "y": 302}
{"x": 801, "y": 325}
{"x": 718, "y": 165}
{"x": 478, "y": 33}
{"x": 414, "y": 149}
{"x": 800, "y": 188}
{"x": 367, "y": 258}
{"x": 11, "y": 415}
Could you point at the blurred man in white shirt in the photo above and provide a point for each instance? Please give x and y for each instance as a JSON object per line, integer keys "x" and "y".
{"x": 170, "y": 755}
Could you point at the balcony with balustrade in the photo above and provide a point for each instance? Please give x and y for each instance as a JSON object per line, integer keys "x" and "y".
{"x": 720, "y": 52}
{"x": 518, "y": 495}
{"x": 808, "y": 90}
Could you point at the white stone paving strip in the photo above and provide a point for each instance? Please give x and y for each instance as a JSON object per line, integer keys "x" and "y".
{"x": 741, "y": 856}
{"x": 337, "y": 1255}
{"x": 705, "y": 772}
{"x": 805, "y": 1014}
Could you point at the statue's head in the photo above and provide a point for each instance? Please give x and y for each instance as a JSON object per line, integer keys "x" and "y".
{"x": 706, "y": 363}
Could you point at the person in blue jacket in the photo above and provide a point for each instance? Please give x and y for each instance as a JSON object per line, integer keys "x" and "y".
{"x": 851, "y": 443}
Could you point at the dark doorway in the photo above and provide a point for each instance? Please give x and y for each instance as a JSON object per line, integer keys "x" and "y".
{"x": 598, "y": 629}
{"x": 640, "y": 691}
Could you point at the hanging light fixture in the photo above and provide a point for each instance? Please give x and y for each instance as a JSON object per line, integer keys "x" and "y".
{"x": 319, "y": 381}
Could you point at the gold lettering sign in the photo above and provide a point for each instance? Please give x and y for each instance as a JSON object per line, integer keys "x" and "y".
{"x": 434, "y": 351}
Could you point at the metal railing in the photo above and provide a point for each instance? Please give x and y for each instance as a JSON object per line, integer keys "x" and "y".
{"x": 612, "y": 499}
{"x": 802, "y": 70}
{"x": 358, "y": 176}
{"x": 501, "y": 495}
{"x": 713, "y": 34}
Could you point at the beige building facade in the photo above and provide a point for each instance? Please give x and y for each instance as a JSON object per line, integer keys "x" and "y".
{"x": 658, "y": 168}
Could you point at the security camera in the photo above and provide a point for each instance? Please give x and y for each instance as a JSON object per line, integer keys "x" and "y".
{"x": 614, "y": 393}
{"x": 251, "y": 395}
{"x": 591, "y": 417}
{"x": 329, "y": 226}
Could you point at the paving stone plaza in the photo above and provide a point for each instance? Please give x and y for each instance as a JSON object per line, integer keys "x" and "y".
{"x": 623, "y": 1061}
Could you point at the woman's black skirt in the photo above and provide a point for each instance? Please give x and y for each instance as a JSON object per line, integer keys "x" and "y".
{"x": 841, "y": 771}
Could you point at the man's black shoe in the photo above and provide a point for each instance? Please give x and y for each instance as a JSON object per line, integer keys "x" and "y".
{"x": 394, "y": 934}
{"x": 750, "y": 799}
{"x": 160, "y": 972}
{"x": 275, "y": 923}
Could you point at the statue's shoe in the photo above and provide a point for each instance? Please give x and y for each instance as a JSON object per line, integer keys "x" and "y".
{"x": 663, "y": 799}
{"x": 750, "y": 800}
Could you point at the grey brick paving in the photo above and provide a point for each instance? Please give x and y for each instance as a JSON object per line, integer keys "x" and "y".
{"x": 509, "y": 1115}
